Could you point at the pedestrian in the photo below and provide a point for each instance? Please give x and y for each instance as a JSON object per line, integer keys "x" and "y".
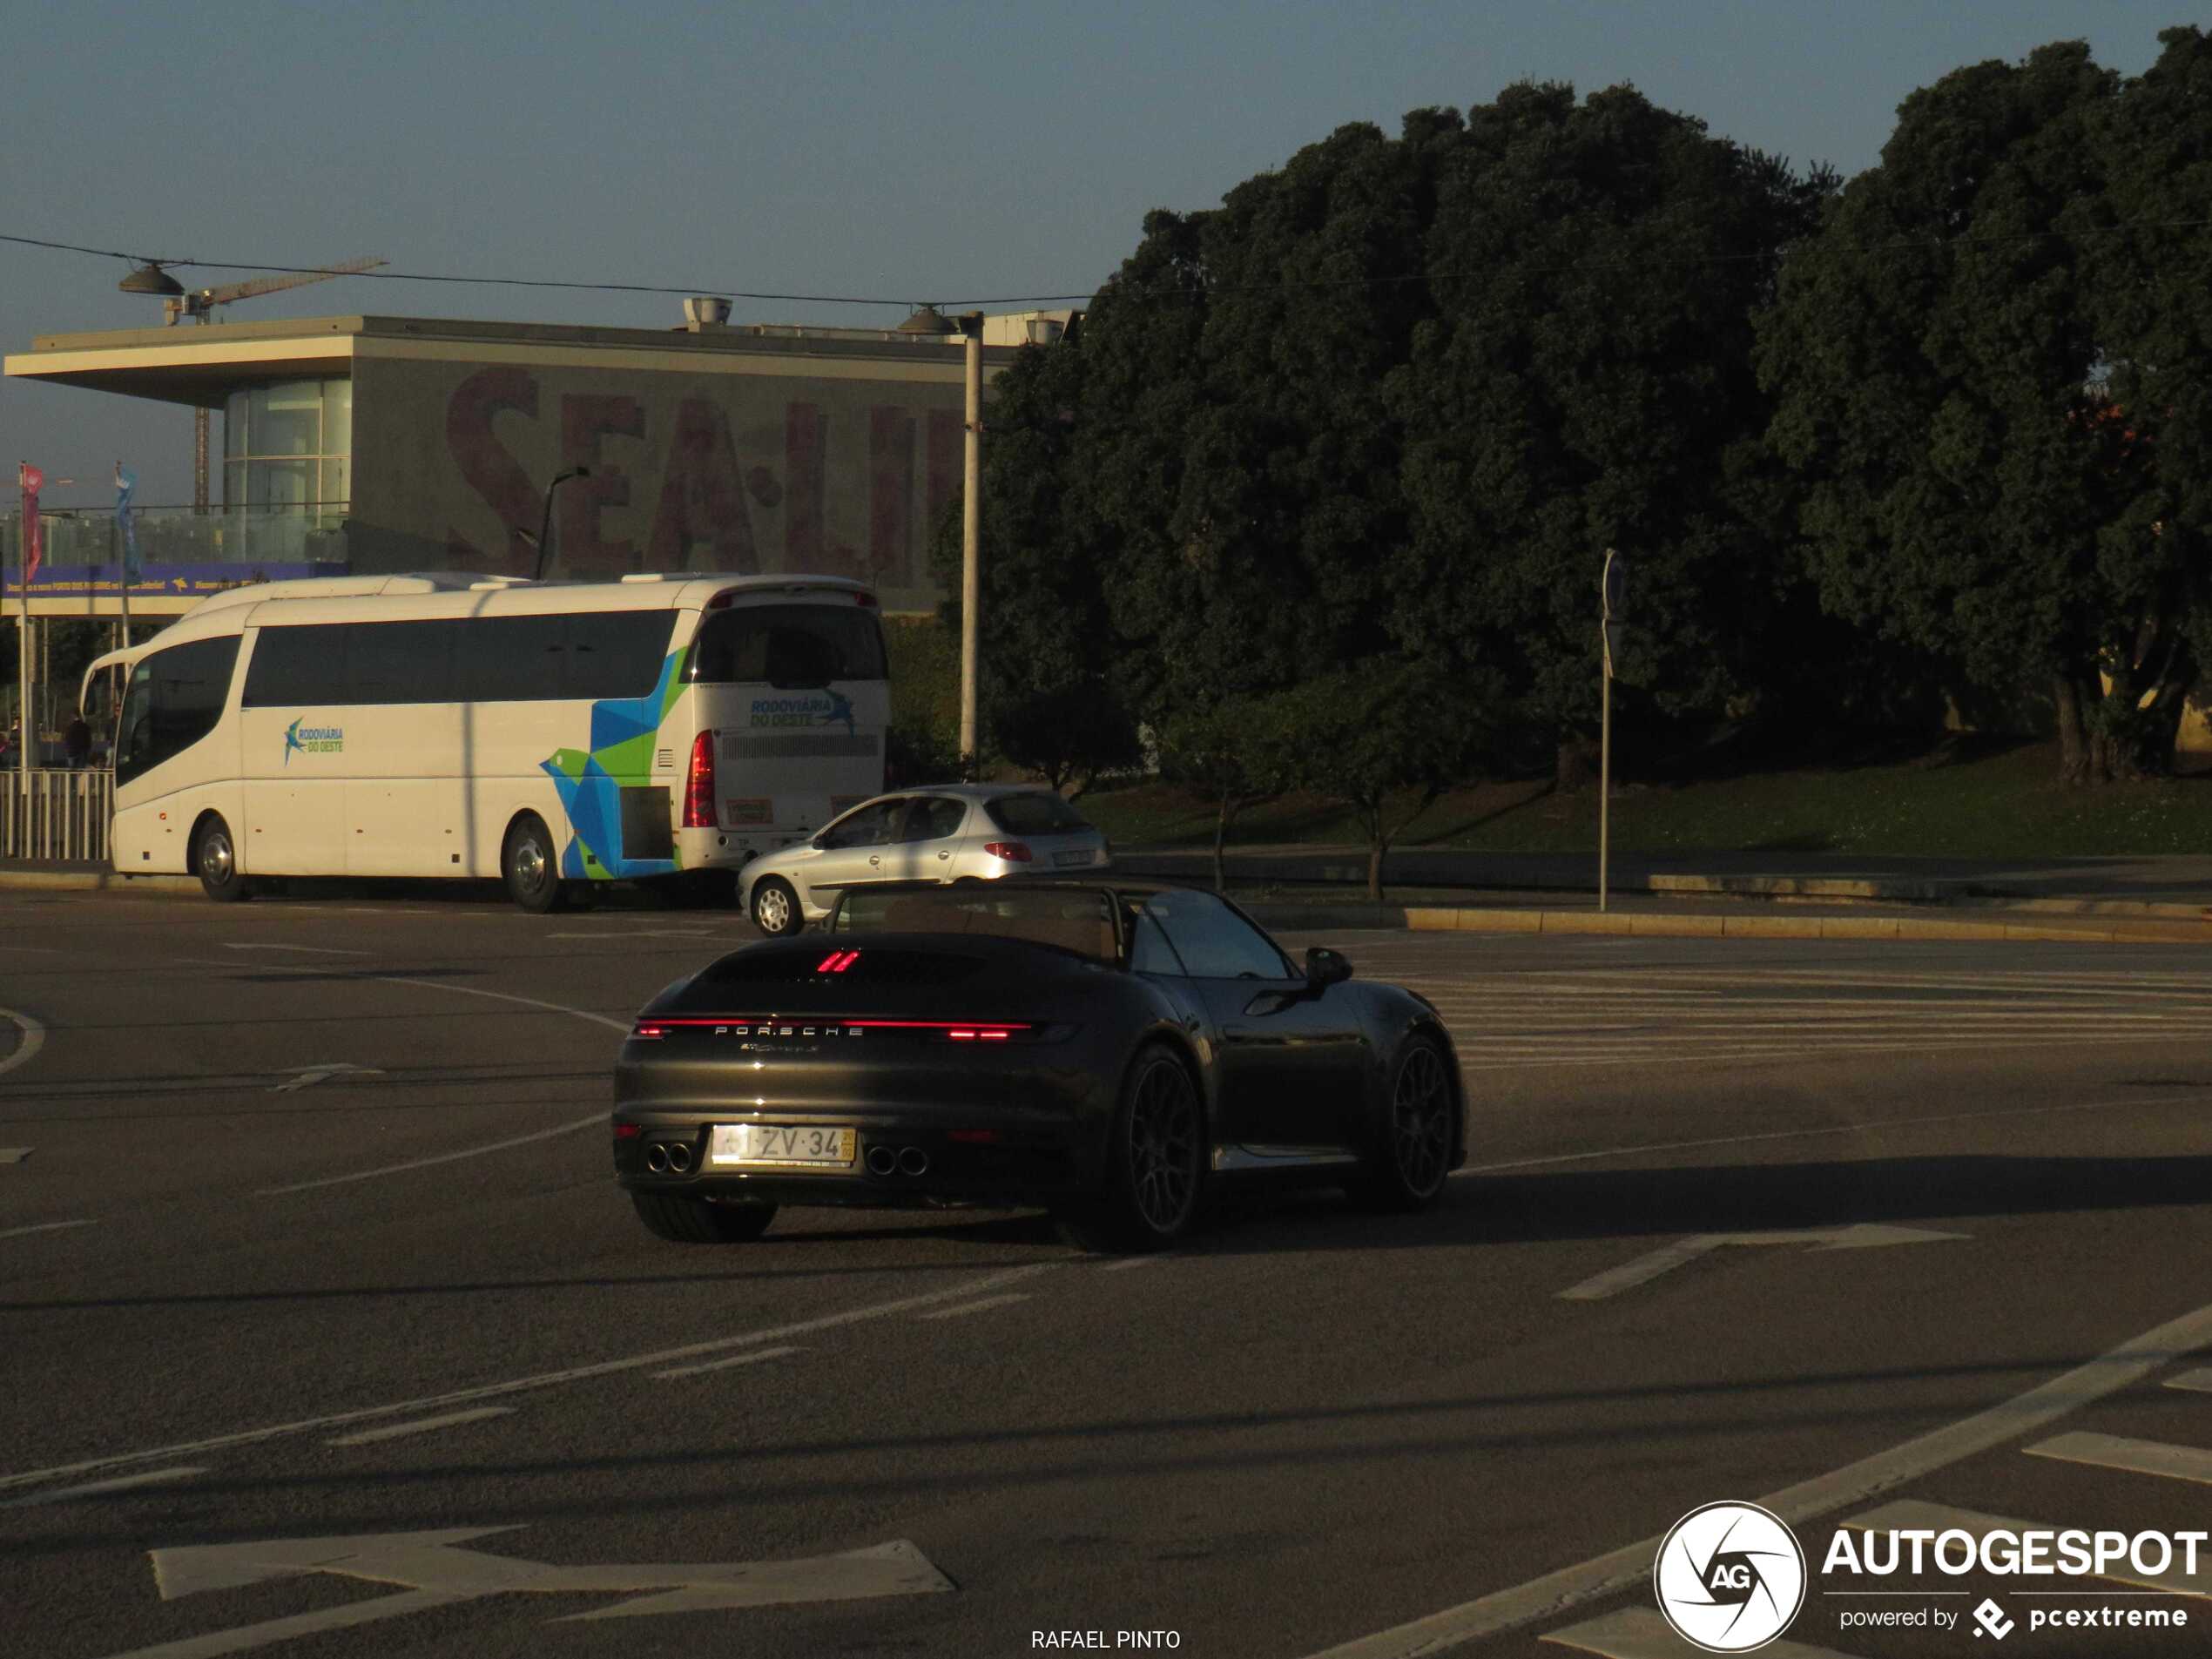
{"x": 77, "y": 743}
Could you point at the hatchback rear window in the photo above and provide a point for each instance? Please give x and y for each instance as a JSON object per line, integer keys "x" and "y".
{"x": 1036, "y": 811}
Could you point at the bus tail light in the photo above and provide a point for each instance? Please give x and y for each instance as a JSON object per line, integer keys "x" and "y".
{"x": 1012, "y": 852}
{"x": 698, "y": 787}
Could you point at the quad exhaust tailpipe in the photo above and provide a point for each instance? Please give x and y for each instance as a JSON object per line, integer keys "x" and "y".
{"x": 904, "y": 1160}
{"x": 656, "y": 1159}
{"x": 679, "y": 1158}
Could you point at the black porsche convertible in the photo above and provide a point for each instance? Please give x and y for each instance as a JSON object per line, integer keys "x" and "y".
{"x": 1110, "y": 1052}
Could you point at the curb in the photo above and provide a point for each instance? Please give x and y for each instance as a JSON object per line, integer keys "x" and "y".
{"x": 96, "y": 881}
{"x": 1434, "y": 919}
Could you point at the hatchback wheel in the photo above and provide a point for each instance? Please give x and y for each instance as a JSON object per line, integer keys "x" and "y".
{"x": 775, "y": 908}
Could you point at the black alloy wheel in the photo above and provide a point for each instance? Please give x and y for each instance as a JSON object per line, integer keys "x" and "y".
{"x": 1156, "y": 1162}
{"x": 1414, "y": 1156}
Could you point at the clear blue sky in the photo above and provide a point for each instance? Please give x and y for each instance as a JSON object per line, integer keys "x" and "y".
{"x": 954, "y": 150}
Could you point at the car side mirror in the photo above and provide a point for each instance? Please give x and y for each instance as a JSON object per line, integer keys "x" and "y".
{"x": 820, "y": 843}
{"x": 1325, "y": 967}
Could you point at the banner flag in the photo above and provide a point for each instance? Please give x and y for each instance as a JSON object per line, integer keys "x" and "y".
{"x": 125, "y": 481}
{"x": 31, "y": 481}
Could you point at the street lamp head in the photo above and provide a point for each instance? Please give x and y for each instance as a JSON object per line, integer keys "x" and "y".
{"x": 150, "y": 278}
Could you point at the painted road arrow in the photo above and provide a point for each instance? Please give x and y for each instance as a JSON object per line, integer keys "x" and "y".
{"x": 436, "y": 1572}
{"x": 1644, "y": 1269}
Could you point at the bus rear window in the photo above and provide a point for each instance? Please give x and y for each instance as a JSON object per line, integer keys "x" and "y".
{"x": 789, "y": 646}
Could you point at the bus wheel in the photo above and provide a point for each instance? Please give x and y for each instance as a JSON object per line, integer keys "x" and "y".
{"x": 214, "y": 860}
{"x": 775, "y": 908}
{"x": 527, "y": 865}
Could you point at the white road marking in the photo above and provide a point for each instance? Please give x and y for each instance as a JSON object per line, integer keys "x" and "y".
{"x": 621, "y": 1026}
{"x": 33, "y": 1039}
{"x": 1644, "y": 1269}
{"x": 1630, "y": 1566}
{"x": 101, "y": 1488}
{"x": 2196, "y": 1382}
{"x": 685, "y": 934}
{"x": 1911, "y": 1513}
{"x": 439, "y": 1574}
{"x": 2138, "y": 1457}
{"x": 967, "y": 1308}
{"x": 15, "y": 1154}
{"x": 660, "y": 1357}
{"x": 313, "y": 950}
{"x": 422, "y": 1426}
{"x": 1872, "y": 1126}
{"x": 1639, "y": 1632}
{"x": 424, "y": 1164}
{"x": 246, "y": 1637}
{"x": 1128, "y": 1262}
{"x": 725, "y": 1365}
{"x": 49, "y": 1227}
{"x": 307, "y": 1076}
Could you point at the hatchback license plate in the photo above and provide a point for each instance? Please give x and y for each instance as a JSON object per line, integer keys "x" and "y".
{"x": 805, "y": 1145}
{"x": 1065, "y": 858}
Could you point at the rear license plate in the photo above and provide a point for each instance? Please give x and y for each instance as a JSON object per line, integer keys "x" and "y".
{"x": 1065, "y": 858}
{"x": 780, "y": 1145}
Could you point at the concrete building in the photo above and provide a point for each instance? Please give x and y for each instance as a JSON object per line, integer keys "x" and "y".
{"x": 402, "y": 444}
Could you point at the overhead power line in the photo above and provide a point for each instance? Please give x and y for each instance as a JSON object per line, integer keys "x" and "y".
{"x": 1642, "y": 260}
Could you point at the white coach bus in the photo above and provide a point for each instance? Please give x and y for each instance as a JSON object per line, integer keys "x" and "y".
{"x": 657, "y": 728}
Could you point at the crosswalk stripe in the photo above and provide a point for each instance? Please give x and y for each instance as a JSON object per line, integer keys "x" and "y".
{"x": 1910, "y": 1513}
{"x": 2139, "y": 1457}
{"x": 1638, "y": 1632}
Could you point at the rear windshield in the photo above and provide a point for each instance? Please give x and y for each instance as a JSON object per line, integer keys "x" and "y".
{"x": 790, "y": 646}
{"x": 1035, "y": 812}
{"x": 1079, "y": 919}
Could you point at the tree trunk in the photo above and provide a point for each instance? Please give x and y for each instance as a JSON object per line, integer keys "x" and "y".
{"x": 1576, "y": 764}
{"x": 2074, "y": 746}
{"x": 1378, "y": 844}
{"x": 1220, "y": 835}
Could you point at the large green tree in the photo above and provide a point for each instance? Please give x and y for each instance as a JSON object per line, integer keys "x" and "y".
{"x": 1587, "y": 382}
{"x": 1973, "y": 489}
{"x": 2147, "y": 247}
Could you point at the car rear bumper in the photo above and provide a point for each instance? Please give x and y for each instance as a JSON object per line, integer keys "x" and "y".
{"x": 900, "y": 1157}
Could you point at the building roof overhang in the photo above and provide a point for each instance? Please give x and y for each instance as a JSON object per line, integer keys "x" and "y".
{"x": 202, "y": 364}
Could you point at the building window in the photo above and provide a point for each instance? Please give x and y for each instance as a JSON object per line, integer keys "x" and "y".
{"x": 288, "y": 448}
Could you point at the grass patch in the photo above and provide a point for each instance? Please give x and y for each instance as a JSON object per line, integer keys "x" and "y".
{"x": 2005, "y": 805}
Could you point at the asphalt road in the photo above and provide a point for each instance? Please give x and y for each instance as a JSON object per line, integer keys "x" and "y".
{"x": 307, "y": 1233}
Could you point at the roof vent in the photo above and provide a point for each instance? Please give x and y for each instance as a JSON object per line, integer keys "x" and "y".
{"x": 703, "y": 311}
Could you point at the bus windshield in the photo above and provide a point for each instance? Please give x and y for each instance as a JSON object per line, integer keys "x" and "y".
{"x": 792, "y": 647}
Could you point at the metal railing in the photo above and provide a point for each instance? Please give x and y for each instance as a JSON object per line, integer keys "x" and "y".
{"x": 83, "y": 536}
{"x": 63, "y": 817}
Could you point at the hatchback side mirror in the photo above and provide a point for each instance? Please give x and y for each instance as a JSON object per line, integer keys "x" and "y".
{"x": 1325, "y": 967}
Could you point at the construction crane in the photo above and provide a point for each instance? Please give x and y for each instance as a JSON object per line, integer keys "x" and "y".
{"x": 179, "y": 303}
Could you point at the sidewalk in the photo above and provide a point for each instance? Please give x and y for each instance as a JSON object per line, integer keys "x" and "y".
{"x": 1752, "y": 896}
{"x": 2175, "y": 888}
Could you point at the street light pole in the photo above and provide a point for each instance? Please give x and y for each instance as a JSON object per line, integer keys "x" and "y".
{"x": 971, "y": 560}
{"x": 545, "y": 519}
{"x": 1612, "y": 588}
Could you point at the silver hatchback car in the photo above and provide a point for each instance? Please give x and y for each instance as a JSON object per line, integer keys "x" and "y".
{"x": 940, "y": 832}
